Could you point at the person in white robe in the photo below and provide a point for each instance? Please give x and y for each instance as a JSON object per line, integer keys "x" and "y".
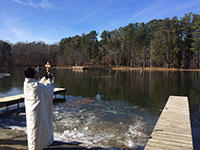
{"x": 39, "y": 110}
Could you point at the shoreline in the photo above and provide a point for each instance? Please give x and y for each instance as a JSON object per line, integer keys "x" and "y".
{"x": 153, "y": 69}
{"x": 131, "y": 68}
{"x": 117, "y": 68}
{"x": 14, "y": 139}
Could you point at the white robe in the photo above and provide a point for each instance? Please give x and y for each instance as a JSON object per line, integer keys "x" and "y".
{"x": 39, "y": 112}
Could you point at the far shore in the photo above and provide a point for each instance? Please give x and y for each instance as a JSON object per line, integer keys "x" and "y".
{"x": 121, "y": 68}
{"x": 132, "y": 68}
{"x": 153, "y": 69}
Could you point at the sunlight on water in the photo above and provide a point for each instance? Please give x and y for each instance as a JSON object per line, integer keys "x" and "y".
{"x": 102, "y": 123}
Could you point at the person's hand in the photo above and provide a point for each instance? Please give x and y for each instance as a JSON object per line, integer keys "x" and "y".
{"x": 46, "y": 75}
{"x": 50, "y": 75}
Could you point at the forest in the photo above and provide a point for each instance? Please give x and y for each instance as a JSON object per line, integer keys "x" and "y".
{"x": 167, "y": 43}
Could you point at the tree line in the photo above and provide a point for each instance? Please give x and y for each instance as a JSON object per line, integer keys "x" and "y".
{"x": 24, "y": 54}
{"x": 169, "y": 43}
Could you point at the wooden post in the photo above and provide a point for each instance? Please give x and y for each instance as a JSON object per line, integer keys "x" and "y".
{"x": 47, "y": 65}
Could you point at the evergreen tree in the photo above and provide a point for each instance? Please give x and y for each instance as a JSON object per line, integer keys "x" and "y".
{"x": 5, "y": 54}
{"x": 195, "y": 47}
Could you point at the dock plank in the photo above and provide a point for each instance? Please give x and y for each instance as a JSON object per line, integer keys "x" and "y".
{"x": 172, "y": 130}
{"x": 16, "y": 99}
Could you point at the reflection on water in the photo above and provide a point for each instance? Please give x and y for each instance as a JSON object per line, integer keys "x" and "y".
{"x": 12, "y": 91}
{"x": 149, "y": 89}
{"x": 112, "y": 108}
{"x": 13, "y": 84}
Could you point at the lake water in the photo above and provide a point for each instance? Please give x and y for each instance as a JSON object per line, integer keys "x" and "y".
{"x": 109, "y": 108}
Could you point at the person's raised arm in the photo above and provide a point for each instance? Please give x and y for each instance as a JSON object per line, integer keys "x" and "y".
{"x": 46, "y": 84}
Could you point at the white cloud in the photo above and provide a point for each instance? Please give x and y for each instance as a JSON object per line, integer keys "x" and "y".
{"x": 10, "y": 27}
{"x": 158, "y": 9}
{"x": 91, "y": 13}
{"x": 85, "y": 18}
{"x": 181, "y": 7}
{"x": 20, "y": 2}
{"x": 44, "y": 4}
{"x": 147, "y": 9}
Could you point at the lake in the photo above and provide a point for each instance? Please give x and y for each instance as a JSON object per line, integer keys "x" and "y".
{"x": 109, "y": 108}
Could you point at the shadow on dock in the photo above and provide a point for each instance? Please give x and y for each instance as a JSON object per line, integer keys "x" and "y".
{"x": 12, "y": 142}
{"x": 59, "y": 145}
{"x": 195, "y": 124}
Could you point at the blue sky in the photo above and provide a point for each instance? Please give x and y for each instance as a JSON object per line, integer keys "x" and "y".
{"x": 52, "y": 20}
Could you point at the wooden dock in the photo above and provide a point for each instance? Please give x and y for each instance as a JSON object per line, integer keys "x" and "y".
{"x": 78, "y": 68}
{"x": 172, "y": 130}
{"x": 17, "y": 99}
{"x": 87, "y": 67}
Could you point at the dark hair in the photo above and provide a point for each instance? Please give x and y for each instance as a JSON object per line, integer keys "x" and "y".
{"x": 29, "y": 73}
